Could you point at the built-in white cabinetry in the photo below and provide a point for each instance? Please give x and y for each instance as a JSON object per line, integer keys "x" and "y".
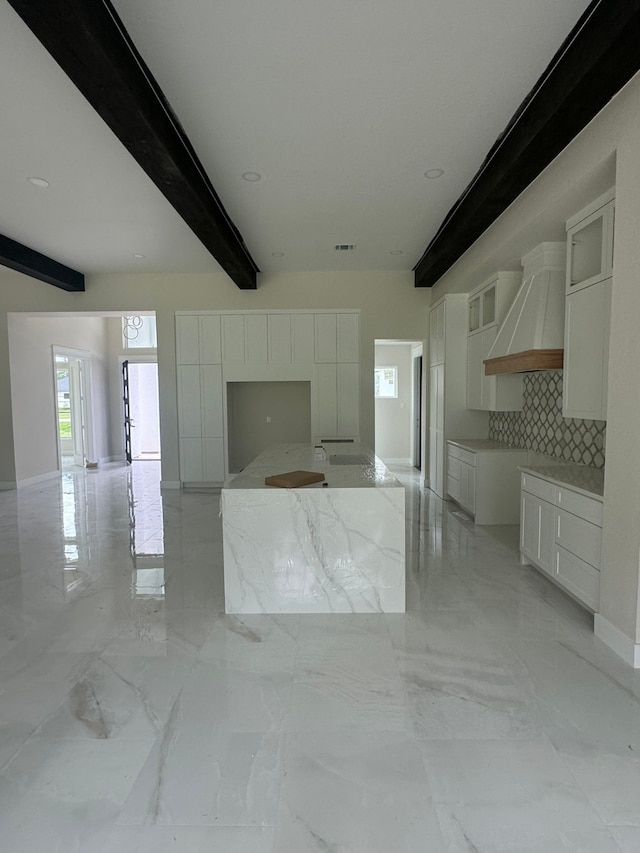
{"x": 483, "y": 478}
{"x": 588, "y": 310}
{"x": 561, "y": 533}
{"x": 449, "y": 416}
{"x": 487, "y": 308}
{"x": 213, "y": 348}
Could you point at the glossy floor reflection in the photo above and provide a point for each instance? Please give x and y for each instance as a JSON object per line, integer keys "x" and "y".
{"x": 136, "y": 716}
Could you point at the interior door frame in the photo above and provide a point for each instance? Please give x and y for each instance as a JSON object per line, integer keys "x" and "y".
{"x": 86, "y": 415}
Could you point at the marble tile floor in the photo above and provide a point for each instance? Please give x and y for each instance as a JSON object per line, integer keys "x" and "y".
{"x": 136, "y": 717}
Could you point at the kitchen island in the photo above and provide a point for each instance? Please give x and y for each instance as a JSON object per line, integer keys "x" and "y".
{"x": 334, "y": 548}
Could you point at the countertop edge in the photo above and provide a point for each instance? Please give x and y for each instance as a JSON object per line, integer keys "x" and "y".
{"x": 548, "y": 473}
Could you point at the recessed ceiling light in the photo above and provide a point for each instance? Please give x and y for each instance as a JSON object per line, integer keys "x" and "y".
{"x": 395, "y": 252}
{"x": 38, "y": 182}
{"x": 434, "y": 173}
{"x": 251, "y": 176}
{"x": 138, "y": 256}
{"x": 277, "y": 254}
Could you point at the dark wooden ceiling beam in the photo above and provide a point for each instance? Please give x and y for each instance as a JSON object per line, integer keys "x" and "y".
{"x": 89, "y": 42}
{"x": 596, "y": 60}
{"x": 23, "y": 259}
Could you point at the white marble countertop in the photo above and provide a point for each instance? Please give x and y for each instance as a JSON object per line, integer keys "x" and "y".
{"x": 582, "y": 478}
{"x": 282, "y": 458}
{"x": 484, "y": 445}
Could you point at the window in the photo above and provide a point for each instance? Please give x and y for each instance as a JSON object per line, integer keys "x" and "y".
{"x": 386, "y": 381}
{"x": 139, "y": 332}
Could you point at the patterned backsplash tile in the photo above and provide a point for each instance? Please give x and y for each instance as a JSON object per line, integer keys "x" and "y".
{"x": 541, "y": 427}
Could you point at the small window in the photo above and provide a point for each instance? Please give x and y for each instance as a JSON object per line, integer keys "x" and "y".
{"x": 139, "y": 332}
{"x": 386, "y": 381}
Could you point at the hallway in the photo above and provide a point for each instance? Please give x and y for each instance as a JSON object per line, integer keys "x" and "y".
{"x": 136, "y": 716}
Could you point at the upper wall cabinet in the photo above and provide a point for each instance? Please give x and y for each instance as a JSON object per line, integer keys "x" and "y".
{"x": 336, "y": 338}
{"x": 588, "y": 310}
{"x": 488, "y": 306}
{"x": 198, "y": 339}
{"x": 590, "y": 243}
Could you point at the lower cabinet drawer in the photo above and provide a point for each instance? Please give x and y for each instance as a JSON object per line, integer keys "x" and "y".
{"x": 535, "y": 486}
{"x": 453, "y": 488}
{"x": 453, "y": 466}
{"x": 578, "y": 577}
{"x": 588, "y": 508}
{"x": 468, "y": 457}
{"x": 579, "y": 536}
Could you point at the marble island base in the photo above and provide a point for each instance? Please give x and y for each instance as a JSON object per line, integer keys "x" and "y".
{"x": 335, "y": 549}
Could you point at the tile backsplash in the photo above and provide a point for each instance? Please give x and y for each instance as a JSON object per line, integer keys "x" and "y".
{"x": 541, "y": 427}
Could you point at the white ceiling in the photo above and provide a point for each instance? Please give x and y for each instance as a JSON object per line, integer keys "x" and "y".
{"x": 341, "y": 107}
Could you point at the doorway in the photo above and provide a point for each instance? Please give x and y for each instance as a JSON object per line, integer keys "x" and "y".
{"x": 141, "y": 414}
{"x": 72, "y": 372}
{"x": 399, "y": 402}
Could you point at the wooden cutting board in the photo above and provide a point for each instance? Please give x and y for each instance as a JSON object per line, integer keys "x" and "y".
{"x": 294, "y": 479}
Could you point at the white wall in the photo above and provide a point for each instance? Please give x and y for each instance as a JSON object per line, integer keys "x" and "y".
{"x": 394, "y": 414}
{"x": 31, "y": 342}
{"x": 606, "y": 152}
{"x": 391, "y": 307}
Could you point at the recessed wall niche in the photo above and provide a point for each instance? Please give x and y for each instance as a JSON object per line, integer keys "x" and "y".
{"x": 260, "y": 414}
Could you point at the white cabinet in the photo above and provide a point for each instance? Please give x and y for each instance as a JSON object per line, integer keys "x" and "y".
{"x": 561, "y": 533}
{"x": 200, "y": 423}
{"x": 336, "y": 338}
{"x": 279, "y": 338}
{"x": 449, "y": 416}
{"x": 590, "y": 243}
{"x": 198, "y": 339}
{"x": 436, "y": 429}
{"x": 255, "y": 336}
{"x": 213, "y": 348}
{"x": 233, "y": 338}
{"x": 488, "y": 306}
{"x": 338, "y": 401}
{"x": 302, "y": 335}
{"x": 588, "y": 310}
{"x": 486, "y": 483}
{"x": 537, "y": 523}
{"x": 436, "y": 333}
{"x": 586, "y": 353}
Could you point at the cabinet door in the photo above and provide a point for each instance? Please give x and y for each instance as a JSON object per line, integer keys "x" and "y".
{"x": 210, "y": 343}
{"x": 468, "y": 487}
{"x": 436, "y": 334}
{"x": 279, "y": 330}
{"x": 474, "y": 371}
{"x": 326, "y": 340}
{"x": 348, "y": 393}
{"x": 348, "y": 338}
{"x": 187, "y": 339}
{"x": 189, "y": 401}
{"x": 233, "y": 338}
{"x": 436, "y": 397}
{"x": 586, "y": 354}
{"x": 327, "y": 425}
{"x": 211, "y": 400}
{"x": 213, "y": 460}
{"x": 436, "y": 462}
{"x": 302, "y": 328}
{"x": 537, "y": 530}
{"x": 255, "y": 331}
{"x": 191, "y": 470}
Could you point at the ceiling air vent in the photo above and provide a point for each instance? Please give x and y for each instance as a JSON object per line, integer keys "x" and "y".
{"x": 344, "y": 247}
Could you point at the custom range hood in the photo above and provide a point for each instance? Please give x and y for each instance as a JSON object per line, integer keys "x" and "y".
{"x": 532, "y": 335}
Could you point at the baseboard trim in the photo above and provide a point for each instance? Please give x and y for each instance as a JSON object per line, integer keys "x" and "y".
{"x": 169, "y": 484}
{"x": 399, "y": 461}
{"x": 617, "y": 641}
{"x": 8, "y": 485}
{"x": 39, "y": 478}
